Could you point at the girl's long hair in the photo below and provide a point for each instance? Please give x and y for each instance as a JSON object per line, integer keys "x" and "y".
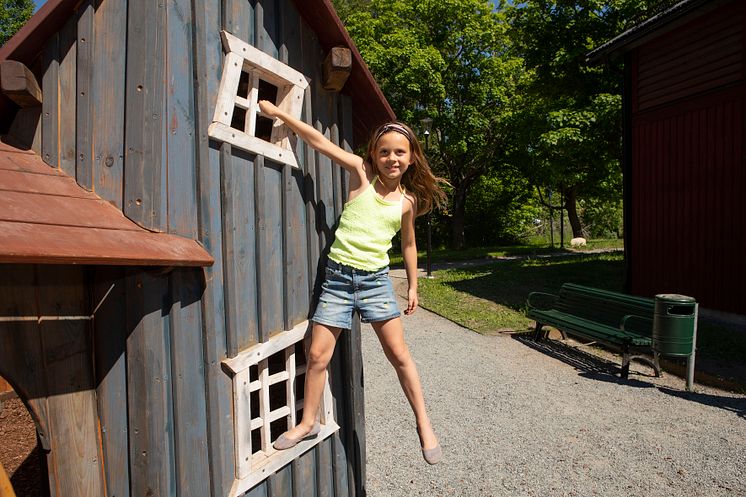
{"x": 419, "y": 179}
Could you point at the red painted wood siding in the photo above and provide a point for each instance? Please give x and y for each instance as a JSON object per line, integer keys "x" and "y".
{"x": 703, "y": 55}
{"x": 688, "y": 221}
{"x": 687, "y": 215}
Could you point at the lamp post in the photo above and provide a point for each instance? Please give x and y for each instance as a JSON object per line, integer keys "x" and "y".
{"x": 426, "y": 124}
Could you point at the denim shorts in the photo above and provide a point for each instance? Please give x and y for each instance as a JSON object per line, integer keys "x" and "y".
{"x": 347, "y": 289}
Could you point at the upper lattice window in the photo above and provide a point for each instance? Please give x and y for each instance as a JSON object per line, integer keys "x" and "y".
{"x": 250, "y": 75}
{"x": 268, "y": 381}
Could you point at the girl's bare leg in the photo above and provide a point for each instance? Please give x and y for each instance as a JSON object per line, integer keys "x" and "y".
{"x": 323, "y": 340}
{"x": 391, "y": 335}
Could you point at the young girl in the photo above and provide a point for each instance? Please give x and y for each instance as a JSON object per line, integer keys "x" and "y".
{"x": 387, "y": 190}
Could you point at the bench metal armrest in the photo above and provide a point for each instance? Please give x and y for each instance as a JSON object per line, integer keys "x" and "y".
{"x": 541, "y": 300}
{"x": 633, "y": 322}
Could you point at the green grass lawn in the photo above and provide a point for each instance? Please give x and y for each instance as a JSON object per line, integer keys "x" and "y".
{"x": 491, "y": 297}
{"x": 470, "y": 254}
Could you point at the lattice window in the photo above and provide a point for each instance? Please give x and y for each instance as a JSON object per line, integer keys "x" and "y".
{"x": 250, "y": 75}
{"x": 268, "y": 381}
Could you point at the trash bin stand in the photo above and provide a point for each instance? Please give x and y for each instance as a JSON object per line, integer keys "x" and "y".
{"x": 690, "y": 359}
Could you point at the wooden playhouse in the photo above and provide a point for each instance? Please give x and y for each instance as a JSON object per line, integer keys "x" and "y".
{"x": 160, "y": 240}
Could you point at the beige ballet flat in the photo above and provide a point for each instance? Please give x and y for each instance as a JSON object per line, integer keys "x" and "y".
{"x": 284, "y": 442}
{"x": 431, "y": 456}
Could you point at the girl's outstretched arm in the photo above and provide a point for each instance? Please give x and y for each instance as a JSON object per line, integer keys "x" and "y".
{"x": 409, "y": 251}
{"x": 314, "y": 138}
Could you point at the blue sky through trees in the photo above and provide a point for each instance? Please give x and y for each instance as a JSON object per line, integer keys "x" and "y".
{"x": 39, "y": 3}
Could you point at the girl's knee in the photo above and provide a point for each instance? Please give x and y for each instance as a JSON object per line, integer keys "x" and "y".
{"x": 319, "y": 357}
{"x": 399, "y": 357}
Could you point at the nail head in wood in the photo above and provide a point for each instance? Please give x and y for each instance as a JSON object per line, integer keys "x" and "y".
{"x": 336, "y": 69}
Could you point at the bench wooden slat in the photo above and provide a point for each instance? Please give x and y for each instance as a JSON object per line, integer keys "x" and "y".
{"x": 604, "y": 316}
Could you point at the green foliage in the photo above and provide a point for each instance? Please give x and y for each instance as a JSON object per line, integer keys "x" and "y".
{"x": 13, "y": 15}
{"x": 500, "y": 209}
{"x": 602, "y": 219}
{"x": 449, "y": 60}
{"x": 571, "y": 126}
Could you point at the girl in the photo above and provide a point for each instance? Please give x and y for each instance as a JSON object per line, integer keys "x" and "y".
{"x": 357, "y": 270}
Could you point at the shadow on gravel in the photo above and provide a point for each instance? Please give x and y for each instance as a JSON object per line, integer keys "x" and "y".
{"x": 733, "y": 404}
{"x": 589, "y": 365}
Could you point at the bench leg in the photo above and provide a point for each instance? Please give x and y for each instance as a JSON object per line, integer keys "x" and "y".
{"x": 538, "y": 335}
{"x": 657, "y": 364}
{"x": 626, "y": 359}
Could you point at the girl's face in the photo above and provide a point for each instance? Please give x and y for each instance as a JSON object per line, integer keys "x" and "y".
{"x": 393, "y": 155}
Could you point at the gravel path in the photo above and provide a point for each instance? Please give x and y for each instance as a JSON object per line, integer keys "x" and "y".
{"x": 517, "y": 419}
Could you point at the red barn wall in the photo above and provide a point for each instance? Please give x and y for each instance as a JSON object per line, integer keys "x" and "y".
{"x": 687, "y": 214}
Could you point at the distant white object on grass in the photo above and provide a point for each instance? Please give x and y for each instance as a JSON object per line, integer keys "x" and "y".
{"x": 577, "y": 242}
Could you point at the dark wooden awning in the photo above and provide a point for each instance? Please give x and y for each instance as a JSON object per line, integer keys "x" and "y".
{"x": 47, "y": 218}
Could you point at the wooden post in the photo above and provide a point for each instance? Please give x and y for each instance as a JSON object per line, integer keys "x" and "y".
{"x": 336, "y": 69}
{"x": 19, "y": 84}
{"x": 6, "y": 489}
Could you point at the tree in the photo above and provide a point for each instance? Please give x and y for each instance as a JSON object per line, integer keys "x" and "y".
{"x": 571, "y": 126}
{"x": 448, "y": 60}
{"x": 13, "y": 15}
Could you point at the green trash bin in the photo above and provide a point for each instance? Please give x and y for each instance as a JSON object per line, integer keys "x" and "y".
{"x": 674, "y": 324}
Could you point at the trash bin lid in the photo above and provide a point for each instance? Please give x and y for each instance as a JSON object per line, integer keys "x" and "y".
{"x": 675, "y": 297}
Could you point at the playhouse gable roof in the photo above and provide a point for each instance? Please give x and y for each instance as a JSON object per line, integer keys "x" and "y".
{"x": 47, "y": 218}
{"x": 370, "y": 105}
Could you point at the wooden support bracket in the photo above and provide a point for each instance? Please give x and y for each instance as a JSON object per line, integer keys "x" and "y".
{"x": 336, "y": 69}
{"x": 18, "y": 83}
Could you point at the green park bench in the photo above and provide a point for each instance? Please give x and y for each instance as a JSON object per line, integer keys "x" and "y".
{"x": 613, "y": 319}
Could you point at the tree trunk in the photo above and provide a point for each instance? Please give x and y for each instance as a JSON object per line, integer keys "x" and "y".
{"x": 571, "y": 204}
{"x": 458, "y": 240}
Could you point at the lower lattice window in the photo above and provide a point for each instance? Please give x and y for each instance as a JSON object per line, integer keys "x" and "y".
{"x": 268, "y": 381}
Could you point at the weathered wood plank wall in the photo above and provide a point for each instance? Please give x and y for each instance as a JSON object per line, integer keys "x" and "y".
{"x": 135, "y": 133}
{"x": 49, "y": 363}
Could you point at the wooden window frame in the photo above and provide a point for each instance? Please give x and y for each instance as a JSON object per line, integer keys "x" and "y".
{"x": 253, "y": 468}
{"x": 291, "y": 86}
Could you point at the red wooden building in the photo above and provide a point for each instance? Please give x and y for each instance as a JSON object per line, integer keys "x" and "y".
{"x": 685, "y": 90}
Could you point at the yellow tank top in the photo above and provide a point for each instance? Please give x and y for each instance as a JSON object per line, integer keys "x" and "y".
{"x": 368, "y": 223}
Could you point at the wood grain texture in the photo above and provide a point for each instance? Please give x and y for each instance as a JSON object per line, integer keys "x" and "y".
{"x": 188, "y": 374}
{"x": 44, "y": 184}
{"x": 180, "y": 119}
{"x": 238, "y": 19}
{"x": 49, "y": 116}
{"x": 108, "y": 97}
{"x": 20, "y": 346}
{"x": 239, "y": 248}
{"x": 260, "y": 222}
{"x": 28, "y": 243}
{"x": 55, "y": 210}
{"x": 76, "y": 457}
{"x": 84, "y": 102}
{"x": 145, "y": 126}
{"x": 18, "y": 83}
{"x": 294, "y": 209}
{"x": 218, "y": 391}
{"x": 352, "y": 348}
{"x": 149, "y": 393}
{"x": 272, "y": 283}
{"x": 68, "y": 96}
{"x": 110, "y": 366}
